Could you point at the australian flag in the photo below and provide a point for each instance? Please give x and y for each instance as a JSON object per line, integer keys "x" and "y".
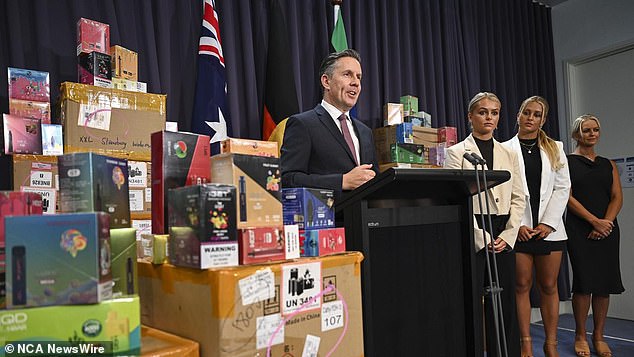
{"x": 211, "y": 115}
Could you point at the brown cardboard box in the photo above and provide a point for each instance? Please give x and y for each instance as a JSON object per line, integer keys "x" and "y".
{"x": 425, "y": 136}
{"x": 249, "y": 147}
{"x": 140, "y": 184}
{"x": 156, "y": 343}
{"x": 109, "y": 121}
{"x": 207, "y": 306}
{"x": 38, "y": 173}
{"x": 383, "y": 167}
{"x": 124, "y": 63}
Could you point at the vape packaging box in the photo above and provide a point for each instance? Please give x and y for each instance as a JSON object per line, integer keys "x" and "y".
{"x": 426, "y": 118}
{"x": 448, "y": 135}
{"x": 152, "y": 248}
{"x": 109, "y": 121}
{"x": 392, "y": 114}
{"x": 261, "y": 245}
{"x": 437, "y": 154}
{"x": 124, "y": 63}
{"x": 239, "y": 309}
{"x": 114, "y": 324}
{"x": 308, "y": 207}
{"x": 258, "y": 187}
{"x": 21, "y": 135}
{"x": 124, "y": 265}
{"x": 94, "y": 68}
{"x": 410, "y": 104}
{"x": 319, "y": 242}
{"x": 178, "y": 159}
{"x": 92, "y": 36}
{"x": 249, "y": 147}
{"x": 202, "y": 222}
{"x": 128, "y": 85}
{"x": 407, "y": 153}
{"x": 37, "y": 174}
{"x": 26, "y": 84}
{"x": 59, "y": 259}
{"x": 52, "y": 140}
{"x": 95, "y": 183}
{"x": 140, "y": 183}
{"x": 385, "y": 136}
{"x": 30, "y": 109}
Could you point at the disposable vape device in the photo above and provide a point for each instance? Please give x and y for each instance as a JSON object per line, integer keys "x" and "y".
{"x": 10, "y": 149}
{"x": 243, "y": 199}
{"x": 309, "y": 212}
{"x": 18, "y": 255}
{"x": 129, "y": 276}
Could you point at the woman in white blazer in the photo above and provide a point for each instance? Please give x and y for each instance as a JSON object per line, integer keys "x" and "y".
{"x": 507, "y": 206}
{"x": 542, "y": 235}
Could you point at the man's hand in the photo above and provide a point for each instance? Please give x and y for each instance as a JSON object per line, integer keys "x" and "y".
{"x": 357, "y": 177}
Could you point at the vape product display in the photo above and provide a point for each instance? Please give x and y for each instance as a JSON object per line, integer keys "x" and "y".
{"x": 94, "y": 183}
{"x": 124, "y": 266}
{"x": 410, "y": 104}
{"x": 21, "y": 135}
{"x": 319, "y": 242}
{"x": 26, "y": 84}
{"x": 259, "y": 245}
{"x": 58, "y": 259}
{"x": 178, "y": 159}
{"x": 392, "y": 114}
{"x": 437, "y": 154}
{"x": 407, "y": 153}
{"x": 308, "y": 207}
{"x": 92, "y": 36}
{"x": 36, "y": 174}
{"x": 152, "y": 248}
{"x": 94, "y": 68}
{"x": 249, "y": 147}
{"x": 124, "y": 63}
{"x": 448, "y": 135}
{"x": 242, "y": 184}
{"x": 52, "y": 140}
{"x": 30, "y": 109}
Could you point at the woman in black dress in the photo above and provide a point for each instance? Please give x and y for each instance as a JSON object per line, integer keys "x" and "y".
{"x": 593, "y": 234}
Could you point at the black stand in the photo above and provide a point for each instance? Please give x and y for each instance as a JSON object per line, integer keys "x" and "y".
{"x": 415, "y": 229}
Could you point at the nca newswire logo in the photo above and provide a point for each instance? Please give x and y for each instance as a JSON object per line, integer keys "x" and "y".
{"x": 55, "y": 348}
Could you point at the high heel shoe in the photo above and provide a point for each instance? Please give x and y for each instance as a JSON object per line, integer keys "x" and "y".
{"x": 549, "y": 346}
{"x": 528, "y": 341}
{"x": 582, "y": 349}
{"x": 601, "y": 348}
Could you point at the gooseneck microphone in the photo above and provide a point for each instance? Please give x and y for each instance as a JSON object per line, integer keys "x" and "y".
{"x": 469, "y": 157}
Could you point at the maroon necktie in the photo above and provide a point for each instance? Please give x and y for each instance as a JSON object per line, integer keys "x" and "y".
{"x": 347, "y": 136}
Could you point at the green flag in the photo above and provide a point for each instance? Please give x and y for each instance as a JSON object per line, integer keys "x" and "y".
{"x": 339, "y": 40}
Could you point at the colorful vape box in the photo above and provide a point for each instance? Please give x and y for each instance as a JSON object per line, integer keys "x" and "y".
{"x": 30, "y": 109}
{"x": 26, "y": 84}
{"x": 392, "y": 114}
{"x": 407, "y": 153}
{"x": 426, "y": 118}
{"x": 59, "y": 259}
{"x": 410, "y": 104}
{"x": 448, "y": 135}
{"x": 14, "y": 204}
{"x": 249, "y": 147}
{"x": 152, "y": 248}
{"x": 319, "y": 242}
{"x": 21, "y": 135}
{"x": 258, "y": 184}
{"x": 130, "y": 86}
{"x": 92, "y": 36}
{"x": 124, "y": 63}
{"x": 52, "y": 140}
{"x": 95, "y": 183}
{"x": 260, "y": 245}
{"x": 94, "y": 68}
{"x": 202, "y": 219}
{"x": 123, "y": 266}
{"x": 308, "y": 207}
{"x": 437, "y": 154}
{"x": 113, "y": 324}
{"x": 178, "y": 159}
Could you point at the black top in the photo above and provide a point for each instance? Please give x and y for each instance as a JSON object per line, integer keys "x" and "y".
{"x": 486, "y": 149}
{"x": 533, "y": 173}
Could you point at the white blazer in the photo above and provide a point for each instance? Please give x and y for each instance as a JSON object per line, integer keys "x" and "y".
{"x": 506, "y": 198}
{"x": 554, "y": 191}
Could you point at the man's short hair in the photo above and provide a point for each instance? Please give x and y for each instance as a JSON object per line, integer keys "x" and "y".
{"x": 328, "y": 64}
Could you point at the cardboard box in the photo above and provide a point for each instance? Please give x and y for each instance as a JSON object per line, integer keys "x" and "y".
{"x": 21, "y": 135}
{"x": 52, "y": 140}
{"x": 140, "y": 182}
{"x": 38, "y": 174}
{"x": 320, "y": 242}
{"x": 425, "y": 136}
{"x": 308, "y": 207}
{"x": 114, "y": 321}
{"x": 392, "y": 114}
{"x": 109, "y": 121}
{"x": 408, "y": 153}
{"x": 249, "y": 147}
{"x": 257, "y": 180}
{"x": 30, "y": 109}
{"x": 410, "y": 104}
{"x": 202, "y": 226}
{"x": 261, "y": 245}
{"x": 437, "y": 154}
{"x": 448, "y": 135}
{"x": 178, "y": 159}
{"x": 27, "y": 84}
{"x": 385, "y": 136}
{"x": 59, "y": 259}
{"x": 234, "y": 312}
{"x": 92, "y": 36}
{"x": 125, "y": 63}
{"x": 157, "y": 343}
{"x": 94, "y": 68}
{"x": 95, "y": 183}
{"x": 123, "y": 262}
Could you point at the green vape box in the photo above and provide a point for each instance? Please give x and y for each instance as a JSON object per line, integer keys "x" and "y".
{"x": 117, "y": 323}
{"x": 124, "y": 269}
{"x": 407, "y": 153}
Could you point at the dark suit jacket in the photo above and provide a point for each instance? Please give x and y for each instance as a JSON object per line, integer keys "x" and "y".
{"x": 315, "y": 154}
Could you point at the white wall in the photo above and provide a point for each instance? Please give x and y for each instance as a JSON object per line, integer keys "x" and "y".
{"x": 583, "y": 30}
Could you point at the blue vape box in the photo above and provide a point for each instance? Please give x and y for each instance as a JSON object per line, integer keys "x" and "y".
{"x": 309, "y": 208}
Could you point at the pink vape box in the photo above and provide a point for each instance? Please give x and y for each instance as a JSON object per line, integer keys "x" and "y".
{"x": 30, "y": 109}
{"x": 447, "y": 134}
{"x": 260, "y": 245}
{"x": 26, "y": 84}
{"x": 92, "y": 36}
{"x": 22, "y": 135}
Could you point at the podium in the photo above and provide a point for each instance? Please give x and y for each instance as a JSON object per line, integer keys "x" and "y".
{"x": 415, "y": 229}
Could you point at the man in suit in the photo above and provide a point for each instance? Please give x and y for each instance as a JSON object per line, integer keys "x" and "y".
{"x": 324, "y": 147}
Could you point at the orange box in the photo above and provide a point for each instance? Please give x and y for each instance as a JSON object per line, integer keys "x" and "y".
{"x": 157, "y": 343}
{"x": 124, "y": 63}
{"x": 249, "y": 147}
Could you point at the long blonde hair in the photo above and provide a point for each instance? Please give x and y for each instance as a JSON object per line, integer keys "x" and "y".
{"x": 576, "y": 126}
{"x": 544, "y": 141}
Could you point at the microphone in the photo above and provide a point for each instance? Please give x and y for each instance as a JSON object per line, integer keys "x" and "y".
{"x": 478, "y": 158}
{"x": 469, "y": 157}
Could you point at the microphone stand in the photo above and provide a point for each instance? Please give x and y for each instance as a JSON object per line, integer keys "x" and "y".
{"x": 493, "y": 290}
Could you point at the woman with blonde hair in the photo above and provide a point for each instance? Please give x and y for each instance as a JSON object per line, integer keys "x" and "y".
{"x": 507, "y": 205}
{"x": 541, "y": 238}
{"x": 593, "y": 234}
